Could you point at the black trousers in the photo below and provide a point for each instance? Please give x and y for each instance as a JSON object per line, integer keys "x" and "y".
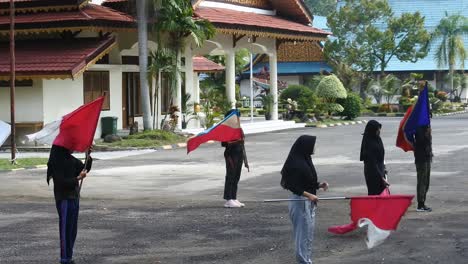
{"x": 234, "y": 156}
{"x": 423, "y": 170}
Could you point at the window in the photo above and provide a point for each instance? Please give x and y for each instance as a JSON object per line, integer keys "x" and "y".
{"x": 96, "y": 83}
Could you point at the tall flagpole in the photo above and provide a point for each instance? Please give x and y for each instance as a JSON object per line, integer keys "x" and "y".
{"x": 251, "y": 89}
{"x": 12, "y": 81}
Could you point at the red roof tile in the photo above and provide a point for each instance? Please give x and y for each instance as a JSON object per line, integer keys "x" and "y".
{"x": 89, "y": 16}
{"x": 202, "y": 64}
{"x": 40, "y": 4}
{"x": 53, "y": 58}
{"x": 231, "y": 19}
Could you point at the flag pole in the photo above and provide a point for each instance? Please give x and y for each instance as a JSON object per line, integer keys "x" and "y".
{"x": 303, "y": 200}
{"x": 84, "y": 168}
{"x": 12, "y": 81}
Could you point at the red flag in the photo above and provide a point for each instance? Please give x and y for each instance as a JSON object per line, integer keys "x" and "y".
{"x": 77, "y": 129}
{"x": 74, "y": 131}
{"x": 402, "y": 142}
{"x": 227, "y": 130}
{"x": 381, "y": 213}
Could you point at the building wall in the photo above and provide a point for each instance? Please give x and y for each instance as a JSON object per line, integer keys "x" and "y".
{"x": 27, "y": 103}
{"x": 63, "y": 96}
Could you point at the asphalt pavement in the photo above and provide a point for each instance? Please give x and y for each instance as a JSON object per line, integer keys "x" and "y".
{"x": 167, "y": 207}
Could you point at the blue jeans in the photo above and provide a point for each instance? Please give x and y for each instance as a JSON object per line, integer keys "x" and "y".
{"x": 302, "y": 216}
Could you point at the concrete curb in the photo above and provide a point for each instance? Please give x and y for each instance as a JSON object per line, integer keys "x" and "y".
{"x": 452, "y": 113}
{"x": 346, "y": 123}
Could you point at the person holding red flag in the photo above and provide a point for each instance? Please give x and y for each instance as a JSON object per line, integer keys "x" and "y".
{"x": 300, "y": 177}
{"x": 74, "y": 132}
{"x": 67, "y": 171}
{"x": 234, "y": 156}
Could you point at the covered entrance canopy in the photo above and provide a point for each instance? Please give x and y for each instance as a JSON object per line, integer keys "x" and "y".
{"x": 261, "y": 26}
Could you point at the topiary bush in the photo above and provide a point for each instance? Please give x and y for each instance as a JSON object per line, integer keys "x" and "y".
{"x": 331, "y": 89}
{"x": 352, "y": 106}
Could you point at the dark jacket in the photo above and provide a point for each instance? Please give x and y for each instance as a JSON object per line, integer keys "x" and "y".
{"x": 298, "y": 173}
{"x": 373, "y": 156}
{"x": 63, "y": 168}
{"x": 423, "y": 145}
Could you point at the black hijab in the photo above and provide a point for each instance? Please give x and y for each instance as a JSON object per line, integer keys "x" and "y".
{"x": 59, "y": 159}
{"x": 299, "y": 161}
{"x": 372, "y": 146}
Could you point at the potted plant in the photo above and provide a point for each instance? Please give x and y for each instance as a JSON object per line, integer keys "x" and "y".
{"x": 267, "y": 102}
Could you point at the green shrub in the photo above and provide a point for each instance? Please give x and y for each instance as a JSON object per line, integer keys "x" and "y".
{"x": 374, "y": 107}
{"x": 304, "y": 97}
{"x": 331, "y": 88}
{"x": 352, "y": 106}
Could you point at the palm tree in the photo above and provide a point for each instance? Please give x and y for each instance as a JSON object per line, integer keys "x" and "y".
{"x": 143, "y": 61}
{"x": 386, "y": 87}
{"x": 450, "y": 32}
{"x": 163, "y": 61}
{"x": 176, "y": 19}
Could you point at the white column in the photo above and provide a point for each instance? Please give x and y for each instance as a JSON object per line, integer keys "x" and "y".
{"x": 274, "y": 84}
{"x": 251, "y": 89}
{"x": 231, "y": 77}
{"x": 196, "y": 98}
{"x": 196, "y": 88}
{"x": 189, "y": 72}
{"x": 178, "y": 92}
{"x": 189, "y": 82}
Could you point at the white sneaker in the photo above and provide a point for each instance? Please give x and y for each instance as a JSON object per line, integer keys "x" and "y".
{"x": 239, "y": 203}
{"x": 231, "y": 204}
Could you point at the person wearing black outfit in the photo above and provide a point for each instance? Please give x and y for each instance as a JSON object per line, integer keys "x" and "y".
{"x": 373, "y": 155}
{"x": 66, "y": 171}
{"x": 300, "y": 177}
{"x": 423, "y": 158}
{"x": 234, "y": 156}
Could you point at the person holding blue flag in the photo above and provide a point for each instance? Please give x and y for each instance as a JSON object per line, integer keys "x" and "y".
{"x": 423, "y": 158}
{"x": 415, "y": 135}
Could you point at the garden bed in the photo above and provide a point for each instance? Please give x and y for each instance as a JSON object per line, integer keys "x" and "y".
{"x": 147, "y": 139}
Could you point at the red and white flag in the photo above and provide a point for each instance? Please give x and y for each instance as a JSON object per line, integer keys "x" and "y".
{"x": 74, "y": 131}
{"x": 380, "y": 213}
{"x": 228, "y": 129}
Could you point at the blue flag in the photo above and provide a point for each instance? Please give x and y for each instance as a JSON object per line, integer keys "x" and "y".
{"x": 420, "y": 116}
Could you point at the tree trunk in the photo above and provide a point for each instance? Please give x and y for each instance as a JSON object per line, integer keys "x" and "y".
{"x": 143, "y": 60}
{"x": 451, "y": 79}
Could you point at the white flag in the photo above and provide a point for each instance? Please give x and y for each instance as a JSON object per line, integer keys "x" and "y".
{"x": 5, "y": 130}
{"x": 47, "y": 134}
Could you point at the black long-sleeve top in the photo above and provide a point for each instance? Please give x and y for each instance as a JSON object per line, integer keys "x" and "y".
{"x": 423, "y": 145}
{"x": 64, "y": 169}
{"x": 298, "y": 173}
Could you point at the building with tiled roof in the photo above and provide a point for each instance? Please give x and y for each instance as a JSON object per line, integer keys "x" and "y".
{"x": 297, "y": 62}
{"x": 68, "y": 52}
{"x": 71, "y": 51}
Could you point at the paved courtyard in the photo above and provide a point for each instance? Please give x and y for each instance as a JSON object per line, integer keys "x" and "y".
{"x": 166, "y": 206}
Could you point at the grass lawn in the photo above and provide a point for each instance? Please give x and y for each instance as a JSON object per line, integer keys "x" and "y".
{"x": 154, "y": 138}
{"x": 5, "y": 164}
